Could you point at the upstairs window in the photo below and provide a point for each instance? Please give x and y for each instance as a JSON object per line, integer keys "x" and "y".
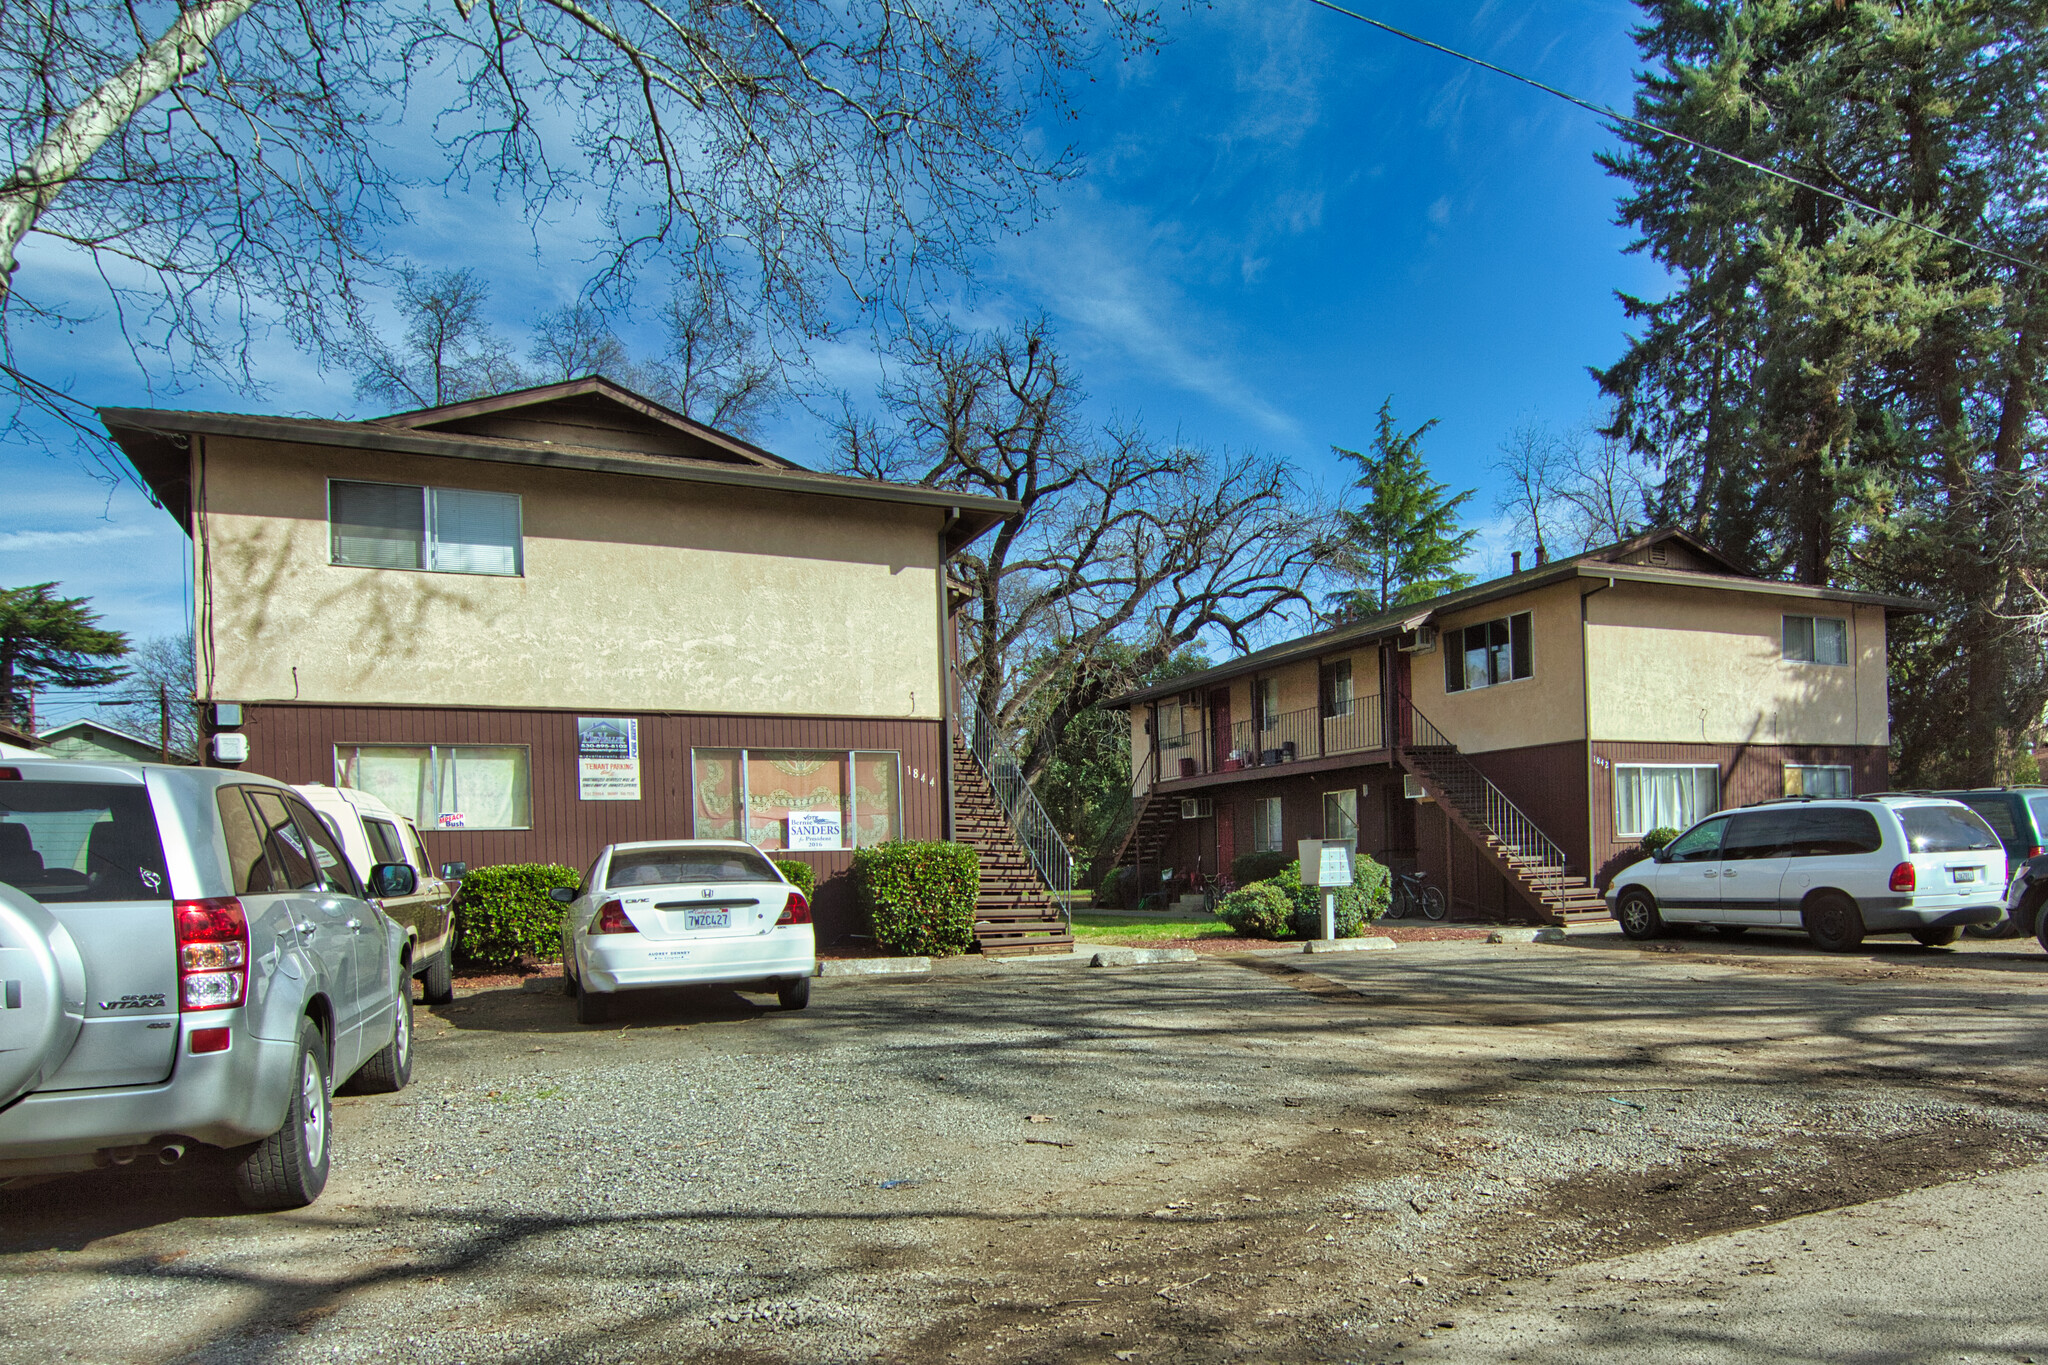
{"x": 1489, "y": 653}
{"x": 406, "y": 526}
{"x": 1817, "y": 639}
{"x": 1333, "y": 684}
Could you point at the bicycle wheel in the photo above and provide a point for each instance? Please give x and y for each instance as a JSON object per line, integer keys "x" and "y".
{"x": 1397, "y": 904}
{"x": 1433, "y": 904}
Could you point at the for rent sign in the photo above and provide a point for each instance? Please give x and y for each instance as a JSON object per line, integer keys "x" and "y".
{"x": 607, "y": 758}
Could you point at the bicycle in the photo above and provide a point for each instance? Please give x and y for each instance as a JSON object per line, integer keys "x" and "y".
{"x": 1411, "y": 897}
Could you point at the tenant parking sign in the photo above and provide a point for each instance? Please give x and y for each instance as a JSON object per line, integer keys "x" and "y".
{"x": 607, "y": 758}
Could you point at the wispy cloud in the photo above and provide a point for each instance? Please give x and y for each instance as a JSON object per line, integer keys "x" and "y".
{"x": 16, "y": 542}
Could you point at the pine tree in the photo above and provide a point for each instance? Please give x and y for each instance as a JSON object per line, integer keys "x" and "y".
{"x": 1834, "y": 396}
{"x": 1404, "y": 545}
{"x": 52, "y": 641}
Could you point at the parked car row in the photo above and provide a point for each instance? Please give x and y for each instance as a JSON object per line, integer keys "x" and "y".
{"x": 1840, "y": 869}
{"x": 193, "y": 956}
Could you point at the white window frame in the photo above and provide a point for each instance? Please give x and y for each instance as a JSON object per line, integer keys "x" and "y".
{"x": 434, "y": 752}
{"x": 1848, "y": 779}
{"x": 1620, "y": 768}
{"x": 1328, "y": 833}
{"x": 1785, "y": 648}
{"x": 1273, "y": 838}
{"x": 428, "y": 540}
{"x": 850, "y": 824}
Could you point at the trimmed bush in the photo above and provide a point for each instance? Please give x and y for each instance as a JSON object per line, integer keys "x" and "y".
{"x": 919, "y": 897}
{"x": 1358, "y": 905}
{"x": 503, "y": 913}
{"x": 801, "y": 875}
{"x": 1247, "y": 868}
{"x": 1658, "y": 837}
{"x": 1260, "y": 910}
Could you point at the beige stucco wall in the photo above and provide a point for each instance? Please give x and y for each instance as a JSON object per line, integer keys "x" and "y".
{"x": 1547, "y": 708}
{"x": 1687, "y": 665}
{"x": 636, "y": 594}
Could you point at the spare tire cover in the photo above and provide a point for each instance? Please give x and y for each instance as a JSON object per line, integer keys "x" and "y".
{"x": 42, "y": 994}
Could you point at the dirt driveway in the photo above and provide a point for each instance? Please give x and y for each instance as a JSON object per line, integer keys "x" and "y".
{"x": 1230, "y": 1160}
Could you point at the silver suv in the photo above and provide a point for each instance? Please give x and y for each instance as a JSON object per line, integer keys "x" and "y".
{"x": 186, "y": 958}
{"x": 1839, "y": 869}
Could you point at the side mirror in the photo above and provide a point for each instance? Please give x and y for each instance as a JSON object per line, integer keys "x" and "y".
{"x": 452, "y": 872}
{"x": 393, "y": 879}
{"x": 564, "y": 894}
{"x": 1661, "y": 855}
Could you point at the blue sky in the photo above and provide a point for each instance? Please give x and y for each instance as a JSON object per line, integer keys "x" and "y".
{"x": 1286, "y": 218}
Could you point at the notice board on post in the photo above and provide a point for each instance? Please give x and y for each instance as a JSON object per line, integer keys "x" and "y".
{"x": 607, "y": 758}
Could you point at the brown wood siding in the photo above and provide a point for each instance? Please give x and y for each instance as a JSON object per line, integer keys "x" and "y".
{"x": 297, "y": 743}
{"x": 1749, "y": 772}
{"x": 1548, "y": 783}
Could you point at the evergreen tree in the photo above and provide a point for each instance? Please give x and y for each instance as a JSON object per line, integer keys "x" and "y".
{"x": 1404, "y": 545}
{"x": 51, "y": 641}
{"x": 1834, "y": 396}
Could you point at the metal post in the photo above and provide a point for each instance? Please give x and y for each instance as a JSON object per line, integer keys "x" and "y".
{"x": 163, "y": 722}
{"x": 1329, "y": 914}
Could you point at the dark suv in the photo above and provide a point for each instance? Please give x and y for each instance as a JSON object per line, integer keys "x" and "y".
{"x": 2019, "y": 816}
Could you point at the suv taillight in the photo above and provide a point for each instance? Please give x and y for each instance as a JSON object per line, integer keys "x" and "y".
{"x": 213, "y": 953}
{"x": 1904, "y": 878}
{"x": 797, "y": 911}
{"x": 611, "y": 919}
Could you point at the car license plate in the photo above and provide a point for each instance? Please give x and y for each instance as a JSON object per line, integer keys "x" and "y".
{"x": 708, "y": 919}
{"x": 1965, "y": 874}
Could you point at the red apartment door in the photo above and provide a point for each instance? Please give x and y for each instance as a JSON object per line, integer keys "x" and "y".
{"x": 1226, "y": 841}
{"x": 1219, "y": 728}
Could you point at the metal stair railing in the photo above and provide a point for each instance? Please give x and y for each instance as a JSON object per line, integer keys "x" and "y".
{"x": 1503, "y": 818}
{"x": 1032, "y": 828}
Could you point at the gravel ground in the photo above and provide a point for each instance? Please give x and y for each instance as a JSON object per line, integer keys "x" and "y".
{"x": 1289, "y": 1158}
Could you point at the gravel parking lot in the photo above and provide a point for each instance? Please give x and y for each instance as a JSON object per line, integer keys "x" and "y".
{"x": 1300, "y": 1158}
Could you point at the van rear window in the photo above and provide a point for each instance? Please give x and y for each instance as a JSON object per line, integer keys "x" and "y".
{"x": 1946, "y": 829}
{"x": 678, "y": 866}
{"x": 64, "y": 842}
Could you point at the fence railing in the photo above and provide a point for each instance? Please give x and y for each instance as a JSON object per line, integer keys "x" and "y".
{"x": 1029, "y": 823}
{"x": 1288, "y": 738}
{"x": 1476, "y": 795}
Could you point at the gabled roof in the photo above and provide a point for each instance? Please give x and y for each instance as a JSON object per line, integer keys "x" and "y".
{"x": 587, "y": 424}
{"x": 592, "y": 412}
{"x": 90, "y": 728}
{"x": 1666, "y": 555}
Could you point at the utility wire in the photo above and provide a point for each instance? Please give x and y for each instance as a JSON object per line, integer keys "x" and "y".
{"x": 1604, "y": 112}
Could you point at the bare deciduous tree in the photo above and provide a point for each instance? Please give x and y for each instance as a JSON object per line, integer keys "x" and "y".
{"x": 1573, "y": 490}
{"x": 1122, "y": 539}
{"x": 224, "y": 165}
{"x": 450, "y": 351}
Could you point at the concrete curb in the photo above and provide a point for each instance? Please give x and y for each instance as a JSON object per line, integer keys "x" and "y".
{"x": 1116, "y": 956}
{"x": 874, "y": 966}
{"x": 1549, "y": 933}
{"x": 1369, "y": 943}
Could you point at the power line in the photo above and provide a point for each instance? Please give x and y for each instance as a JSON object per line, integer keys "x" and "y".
{"x": 1604, "y": 112}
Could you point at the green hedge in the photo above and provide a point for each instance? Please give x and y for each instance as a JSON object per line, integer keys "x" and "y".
{"x": 919, "y": 897}
{"x": 1658, "y": 837}
{"x": 1247, "y": 868}
{"x": 1260, "y": 910}
{"x": 801, "y": 875}
{"x": 1358, "y": 905}
{"x": 503, "y": 913}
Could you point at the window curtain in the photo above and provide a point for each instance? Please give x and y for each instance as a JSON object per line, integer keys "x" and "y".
{"x": 485, "y": 784}
{"x": 715, "y": 775}
{"x": 1340, "y": 815}
{"x": 877, "y": 795}
{"x": 781, "y": 783}
{"x": 473, "y": 532}
{"x": 401, "y": 778}
{"x": 377, "y": 525}
{"x": 1658, "y": 798}
{"x": 1809, "y": 780}
{"x": 1266, "y": 824}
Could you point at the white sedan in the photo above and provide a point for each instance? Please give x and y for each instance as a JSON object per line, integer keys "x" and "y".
{"x": 685, "y": 912}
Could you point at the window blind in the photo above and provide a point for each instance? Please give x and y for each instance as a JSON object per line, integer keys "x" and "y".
{"x": 377, "y": 525}
{"x": 473, "y": 532}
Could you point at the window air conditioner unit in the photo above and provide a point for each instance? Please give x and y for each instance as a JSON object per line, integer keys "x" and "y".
{"x": 1197, "y": 807}
{"x": 1411, "y": 787}
{"x": 1421, "y": 640}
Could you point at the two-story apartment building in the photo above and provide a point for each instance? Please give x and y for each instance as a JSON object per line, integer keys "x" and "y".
{"x": 1515, "y": 739}
{"x": 549, "y": 620}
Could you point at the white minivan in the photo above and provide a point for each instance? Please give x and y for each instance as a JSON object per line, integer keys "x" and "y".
{"x": 1839, "y": 869}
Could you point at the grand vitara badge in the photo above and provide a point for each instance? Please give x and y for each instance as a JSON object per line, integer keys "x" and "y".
{"x": 134, "y": 1002}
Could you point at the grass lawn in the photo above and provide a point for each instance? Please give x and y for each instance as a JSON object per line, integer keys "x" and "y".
{"x": 1115, "y": 928}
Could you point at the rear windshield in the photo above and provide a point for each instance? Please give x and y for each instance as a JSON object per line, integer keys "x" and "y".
{"x": 1946, "y": 829}
{"x": 81, "y": 841}
{"x": 670, "y": 866}
{"x": 1998, "y": 813}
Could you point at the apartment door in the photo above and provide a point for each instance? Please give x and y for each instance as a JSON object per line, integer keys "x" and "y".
{"x": 1219, "y": 730}
{"x": 1226, "y": 838}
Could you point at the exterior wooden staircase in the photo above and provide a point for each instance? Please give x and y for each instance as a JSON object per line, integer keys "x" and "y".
{"x": 1533, "y": 865}
{"x": 1015, "y": 913}
{"x": 1155, "y": 816}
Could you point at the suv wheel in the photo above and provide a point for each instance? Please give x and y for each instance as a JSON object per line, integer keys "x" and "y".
{"x": 1833, "y": 922}
{"x": 390, "y": 1070}
{"x": 1638, "y": 915}
{"x": 437, "y": 982}
{"x": 288, "y": 1169}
